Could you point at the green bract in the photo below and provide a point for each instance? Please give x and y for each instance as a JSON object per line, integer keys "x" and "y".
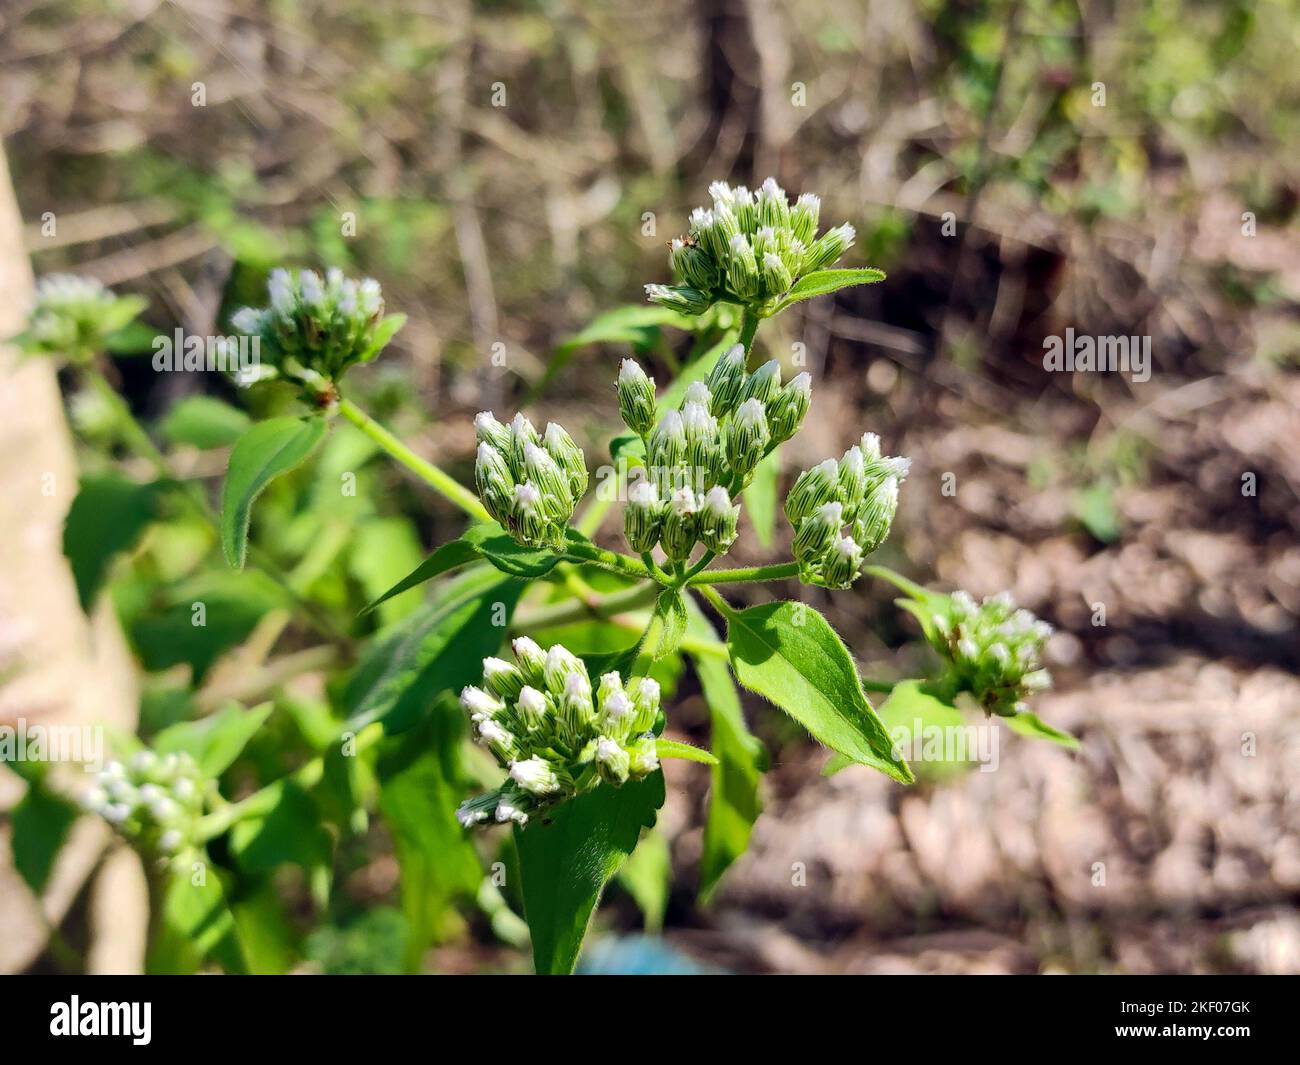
{"x": 749, "y": 248}
{"x": 155, "y": 801}
{"x": 75, "y": 317}
{"x": 529, "y": 482}
{"x": 860, "y": 491}
{"x": 314, "y": 330}
{"x": 541, "y": 720}
{"x": 993, "y": 650}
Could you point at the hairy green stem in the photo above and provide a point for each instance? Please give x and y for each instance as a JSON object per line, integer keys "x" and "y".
{"x": 777, "y": 571}
{"x": 610, "y": 560}
{"x": 439, "y": 480}
{"x": 748, "y": 327}
{"x": 716, "y": 601}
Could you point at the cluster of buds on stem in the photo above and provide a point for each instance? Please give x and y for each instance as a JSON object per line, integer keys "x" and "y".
{"x": 530, "y": 483}
{"x": 993, "y": 650}
{"x": 860, "y": 491}
{"x": 153, "y": 800}
{"x": 74, "y": 317}
{"x": 702, "y": 455}
{"x": 749, "y": 248}
{"x": 314, "y": 329}
{"x": 556, "y": 737}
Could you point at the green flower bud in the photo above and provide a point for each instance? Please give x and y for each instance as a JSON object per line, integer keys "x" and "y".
{"x": 497, "y": 739}
{"x": 643, "y": 517}
{"x": 569, "y": 457}
{"x": 817, "y": 532}
{"x": 742, "y": 269}
{"x": 74, "y": 316}
{"x": 680, "y": 524}
{"x": 487, "y": 430}
{"x": 703, "y": 451}
{"x": 535, "y": 776}
{"x": 804, "y": 217}
{"x": 680, "y": 298}
{"x": 788, "y": 408}
{"x": 726, "y": 382}
{"x": 747, "y": 437}
{"x": 479, "y": 704}
{"x": 829, "y": 247}
{"x": 776, "y": 276}
{"x": 616, "y": 712}
{"x": 153, "y": 802}
{"x": 643, "y": 757}
{"x": 877, "y": 516}
{"x": 764, "y": 383}
{"x": 692, "y": 267}
{"x": 667, "y": 449}
{"x": 531, "y": 659}
{"x": 542, "y": 470}
{"x": 529, "y": 520}
{"x": 493, "y": 480}
{"x": 577, "y": 713}
{"x": 773, "y": 207}
{"x": 698, "y": 392}
{"x": 503, "y": 679}
{"x": 718, "y": 519}
{"x": 534, "y": 710}
{"x": 612, "y": 760}
{"x": 636, "y": 397}
{"x": 645, "y": 702}
{"x": 522, "y": 434}
{"x": 842, "y": 564}
{"x": 853, "y": 479}
{"x": 561, "y": 664}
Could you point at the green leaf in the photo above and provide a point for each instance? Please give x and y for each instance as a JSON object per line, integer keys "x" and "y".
{"x": 788, "y": 653}
{"x": 440, "y": 647}
{"x": 265, "y": 934}
{"x": 685, "y": 751}
{"x": 822, "y": 282}
{"x": 39, "y": 826}
{"x": 421, "y": 784}
{"x": 205, "y": 422}
{"x": 382, "y": 549}
{"x": 760, "y": 497}
{"x": 670, "y": 609}
{"x": 289, "y": 833}
{"x": 195, "y": 920}
{"x": 108, "y": 516}
{"x": 267, "y": 451}
{"x": 910, "y": 705}
{"x": 1096, "y": 511}
{"x": 498, "y": 547}
{"x": 384, "y": 332}
{"x": 135, "y": 338}
{"x": 734, "y": 803}
{"x": 1027, "y": 724}
{"x": 448, "y": 557}
{"x": 217, "y": 740}
{"x": 566, "y": 861}
{"x": 647, "y": 876}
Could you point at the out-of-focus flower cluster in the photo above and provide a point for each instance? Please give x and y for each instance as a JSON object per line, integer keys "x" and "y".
{"x": 530, "y": 483}
{"x": 313, "y": 330}
{"x": 153, "y": 800}
{"x": 557, "y": 737}
{"x": 993, "y": 650}
{"x": 860, "y": 491}
{"x": 75, "y": 316}
{"x": 702, "y": 455}
{"x": 749, "y": 248}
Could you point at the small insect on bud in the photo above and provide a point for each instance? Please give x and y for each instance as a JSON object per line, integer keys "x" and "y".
{"x": 531, "y": 658}
{"x": 829, "y": 247}
{"x": 748, "y": 437}
{"x": 535, "y": 776}
{"x": 503, "y": 679}
{"x": 788, "y": 408}
{"x": 818, "y": 532}
{"x": 636, "y": 397}
{"x": 742, "y": 268}
{"x": 612, "y": 760}
{"x": 643, "y": 517}
{"x": 726, "y": 381}
{"x": 487, "y": 430}
{"x": 718, "y": 520}
{"x": 812, "y": 489}
{"x": 568, "y": 456}
{"x": 678, "y": 533}
{"x": 843, "y": 563}
{"x": 877, "y": 516}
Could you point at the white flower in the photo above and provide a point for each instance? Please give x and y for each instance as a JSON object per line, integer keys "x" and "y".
{"x": 607, "y": 750}
{"x": 478, "y": 703}
{"x": 492, "y": 732}
{"x": 534, "y": 775}
{"x": 169, "y": 841}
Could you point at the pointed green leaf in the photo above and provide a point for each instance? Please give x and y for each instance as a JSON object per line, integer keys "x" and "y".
{"x": 205, "y": 422}
{"x": 685, "y": 751}
{"x": 214, "y": 742}
{"x": 788, "y": 653}
{"x": 448, "y": 557}
{"x": 670, "y": 609}
{"x": 267, "y": 451}
{"x": 39, "y": 825}
{"x": 1027, "y": 724}
{"x": 822, "y": 282}
{"x": 108, "y": 516}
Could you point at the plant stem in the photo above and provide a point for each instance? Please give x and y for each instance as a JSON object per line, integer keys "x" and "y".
{"x": 777, "y": 571}
{"x": 572, "y": 610}
{"x": 716, "y": 601}
{"x": 610, "y": 560}
{"x": 748, "y": 327}
{"x": 439, "y": 480}
{"x": 897, "y": 580}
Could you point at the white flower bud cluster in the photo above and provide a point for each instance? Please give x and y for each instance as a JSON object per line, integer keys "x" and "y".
{"x": 153, "y": 800}
{"x": 315, "y": 325}
{"x": 73, "y": 316}
{"x": 557, "y": 737}
{"x": 702, "y": 455}
{"x": 993, "y": 650}
{"x": 529, "y": 482}
{"x": 749, "y": 248}
{"x": 860, "y": 491}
